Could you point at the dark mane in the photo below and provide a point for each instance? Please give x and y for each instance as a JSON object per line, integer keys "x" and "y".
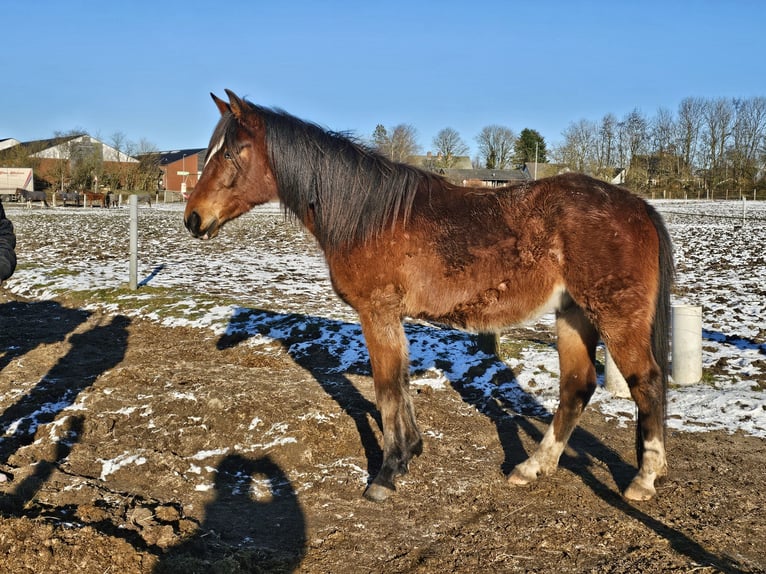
{"x": 354, "y": 192}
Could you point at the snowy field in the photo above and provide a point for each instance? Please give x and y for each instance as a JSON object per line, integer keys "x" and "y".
{"x": 263, "y": 275}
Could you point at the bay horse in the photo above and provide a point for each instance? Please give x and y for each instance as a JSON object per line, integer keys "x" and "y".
{"x": 403, "y": 242}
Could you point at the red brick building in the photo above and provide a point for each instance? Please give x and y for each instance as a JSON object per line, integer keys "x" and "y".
{"x": 181, "y": 169}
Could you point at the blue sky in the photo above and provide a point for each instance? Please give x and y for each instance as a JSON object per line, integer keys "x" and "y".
{"x": 146, "y": 68}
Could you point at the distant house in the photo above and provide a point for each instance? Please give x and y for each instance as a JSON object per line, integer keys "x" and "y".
{"x": 618, "y": 175}
{"x": 484, "y": 177}
{"x": 181, "y": 169}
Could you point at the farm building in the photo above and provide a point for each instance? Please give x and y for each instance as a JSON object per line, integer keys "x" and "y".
{"x": 78, "y": 161}
{"x": 8, "y": 142}
{"x": 484, "y": 177}
{"x": 181, "y": 169}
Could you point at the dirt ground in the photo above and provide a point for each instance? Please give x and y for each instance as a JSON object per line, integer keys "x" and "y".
{"x": 144, "y": 449}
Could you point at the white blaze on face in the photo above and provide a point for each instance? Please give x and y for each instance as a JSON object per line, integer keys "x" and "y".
{"x": 214, "y": 150}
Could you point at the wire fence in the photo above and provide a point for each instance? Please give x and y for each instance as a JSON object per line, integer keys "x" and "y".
{"x": 744, "y": 215}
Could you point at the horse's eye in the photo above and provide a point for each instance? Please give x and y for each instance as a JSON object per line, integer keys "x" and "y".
{"x": 226, "y": 155}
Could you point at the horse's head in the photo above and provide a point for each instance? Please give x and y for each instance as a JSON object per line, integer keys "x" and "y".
{"x": 237, "y": 174}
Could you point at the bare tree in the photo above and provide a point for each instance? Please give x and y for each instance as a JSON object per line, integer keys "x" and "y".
{"x": 449, "y": 147}
{"x": 144, "y": 175}
{"x": 662, "y": 134}
{"x": 64, "y": 167}
{"x": 749, "y": 135}
{"x": 607, "y": 142}
{"x": 398, "y": 145}
{"x": 718, "y": 116}
{"x": 689, "y": 124}
{"x": 114, "y": 170}
{"x": 579, "y": 148}
{"x": 496, "y": 144}
{"x": 118, "y": 140}
{"x": 632, "y": 142}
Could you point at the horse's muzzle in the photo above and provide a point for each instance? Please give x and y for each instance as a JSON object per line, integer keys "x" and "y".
{"x": 193, "y": 223}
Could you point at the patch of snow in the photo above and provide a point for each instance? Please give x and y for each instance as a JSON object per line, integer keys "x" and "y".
{"x": 113, "y": 465}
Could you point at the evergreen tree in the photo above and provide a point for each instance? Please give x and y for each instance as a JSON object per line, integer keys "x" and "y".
{"x": 530, "y": 147}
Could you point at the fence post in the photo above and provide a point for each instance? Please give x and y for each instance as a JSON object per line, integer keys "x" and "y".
{"x": 489, "y": 343}
{"x": 744, "y": 210}
{"x": 686, "y": 329}
{"x": 133, "y": 271}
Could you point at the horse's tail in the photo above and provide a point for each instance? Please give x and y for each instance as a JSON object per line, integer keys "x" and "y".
{"x": 661, "y": 325}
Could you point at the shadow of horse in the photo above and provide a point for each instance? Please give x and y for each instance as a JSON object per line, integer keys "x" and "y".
{"x": 26, "y": 326}
{"x": 270, "y": 529}
{"x": 91, "y": 353}
{"x": 255, "y": 510}
{"x": 328, "y": 349}
{"x": 740, "y": 343}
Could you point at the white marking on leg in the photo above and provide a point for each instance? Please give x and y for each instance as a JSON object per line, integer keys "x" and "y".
{"x": 545, "y": 460}
{"x": 652, "y": 466}
{"x": 654, "y": 457}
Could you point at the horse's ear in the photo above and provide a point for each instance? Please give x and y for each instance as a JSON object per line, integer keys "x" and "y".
{"x": 222, "y": 106}
{"x": 236, "y": 104}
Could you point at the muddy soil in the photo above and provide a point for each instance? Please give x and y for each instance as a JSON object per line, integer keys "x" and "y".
{"x": 146, "y": 449}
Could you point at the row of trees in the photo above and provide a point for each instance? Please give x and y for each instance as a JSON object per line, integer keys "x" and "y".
{"x": 499, "y": 147}
{"x": 708, "y": 147}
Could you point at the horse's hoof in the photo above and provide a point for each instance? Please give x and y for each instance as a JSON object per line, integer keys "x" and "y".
{"x": 518, "y": 479}
{"x": 378, "y": 493}
{"x": 522, "y": 474}
{"x": 639, "y": 492}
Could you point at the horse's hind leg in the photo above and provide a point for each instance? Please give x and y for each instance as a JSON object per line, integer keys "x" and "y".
{"x": 635, "y": 361}
{"x": 577, "y": 339}
{"x": 387, "y": 345}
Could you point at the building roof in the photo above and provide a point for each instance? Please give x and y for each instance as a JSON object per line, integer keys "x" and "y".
{"x": 542, "y": 170}
{"x": 167, "y": 157}
{"x": 52, "y": 148}
{"x": 497, "y": 176}
{"x": 6, "y": 143}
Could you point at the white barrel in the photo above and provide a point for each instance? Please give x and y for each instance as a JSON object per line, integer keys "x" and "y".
{"x": 686, "y": 356}
{"x": 614, "y": 382}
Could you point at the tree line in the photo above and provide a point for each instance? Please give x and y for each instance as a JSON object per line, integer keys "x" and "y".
{"x": 708, "y": 147}
{"x": 499, "y": 146}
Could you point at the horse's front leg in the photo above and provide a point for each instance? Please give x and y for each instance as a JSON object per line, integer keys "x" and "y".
{"x": 387, "y": 345}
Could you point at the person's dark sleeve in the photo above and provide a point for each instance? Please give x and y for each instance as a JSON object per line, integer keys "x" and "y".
{"x": 7, "y": 247}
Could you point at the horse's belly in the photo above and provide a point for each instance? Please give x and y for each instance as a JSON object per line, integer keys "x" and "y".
{"x": 485, "y": 309}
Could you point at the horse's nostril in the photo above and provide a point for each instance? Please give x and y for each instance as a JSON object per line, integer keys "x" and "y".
{"x": 193, "y": 223}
